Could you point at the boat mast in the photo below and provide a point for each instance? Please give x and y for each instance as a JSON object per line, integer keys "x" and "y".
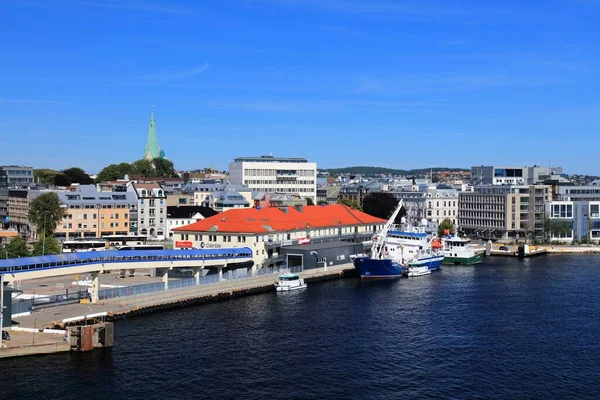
{"x": 377, "y": 249}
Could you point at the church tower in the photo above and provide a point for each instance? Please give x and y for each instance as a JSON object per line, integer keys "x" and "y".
{"x": 152, "y": 150}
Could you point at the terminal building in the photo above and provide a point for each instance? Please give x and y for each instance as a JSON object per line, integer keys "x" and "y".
{"x": 276, "y": 234}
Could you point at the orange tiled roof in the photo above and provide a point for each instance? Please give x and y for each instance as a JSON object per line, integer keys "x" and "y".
{"x": 265, "y": 220}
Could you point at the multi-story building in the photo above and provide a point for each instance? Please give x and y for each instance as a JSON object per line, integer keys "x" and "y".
{"x": 200, "y": 191}
{"x": 152, "y": 209}
{"x": 178, "y": 216}
{"x": 223, "y": 201}
{"x": 180, "y": 199}
{"x": 262, "y": 199}
{"x": 358, "y": 190}
{"x": 93, "y": 214}
{"x": 269, "y": 230}
{"x": 15, "y": 175}
{"x": 276, "y": 175}
{"x": 17, "y": 207}
{"x": 415, "y": 204}
{"x": 504, "y": 212}
{"x": 442, "y": 203}
{"x": 511, "y": 175}
{"x": 574, "y": 214}
{"x": 328, "y": 193}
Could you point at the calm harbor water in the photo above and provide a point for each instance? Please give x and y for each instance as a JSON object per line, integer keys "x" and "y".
{"x": 505, "y": 329}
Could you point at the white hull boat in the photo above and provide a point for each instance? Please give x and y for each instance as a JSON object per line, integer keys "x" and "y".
{"x": 418, "y": 271}
{"x": 288, "y": 282}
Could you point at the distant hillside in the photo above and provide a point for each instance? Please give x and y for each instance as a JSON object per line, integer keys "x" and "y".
{"x": 363, "y": 170}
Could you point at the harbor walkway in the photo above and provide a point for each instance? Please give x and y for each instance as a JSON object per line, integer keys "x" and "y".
{"x": 43, "y": 318}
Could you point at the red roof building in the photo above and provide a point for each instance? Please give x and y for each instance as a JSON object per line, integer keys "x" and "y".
{"x": 265, "y": 230}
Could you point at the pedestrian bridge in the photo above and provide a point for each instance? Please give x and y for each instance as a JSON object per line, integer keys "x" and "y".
{"x": 97, "y": 262}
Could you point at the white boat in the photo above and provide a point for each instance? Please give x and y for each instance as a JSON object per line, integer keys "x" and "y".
{"x": 289, "y": 281}
{"x": 458, "y": 251}
{"x": 418, "y": 271}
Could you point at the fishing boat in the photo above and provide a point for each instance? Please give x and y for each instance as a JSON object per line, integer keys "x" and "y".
{"x": 410, "y": 245}
{"x": 289, "y": 281}
{"x": 380, "y": 264}
{"x": 458, "y": 251}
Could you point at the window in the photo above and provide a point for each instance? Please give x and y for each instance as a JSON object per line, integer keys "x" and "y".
{"x": 594, "y": 210}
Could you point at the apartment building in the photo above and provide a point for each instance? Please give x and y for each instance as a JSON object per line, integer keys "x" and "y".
{"x": 152, "y": 209}
{"x": 504, "y": 212}
{"x": 442, "y": 203}
{"x": 93, "y": 214}
{"x": 276, "y": 175}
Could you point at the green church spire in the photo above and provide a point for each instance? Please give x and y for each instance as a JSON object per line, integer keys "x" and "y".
{"x": 152, "y": 150}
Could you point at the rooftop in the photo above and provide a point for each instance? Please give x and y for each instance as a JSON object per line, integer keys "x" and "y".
{"x": 266, "y": 220}
{"x": 189, "y": 211}
{"x": 271, "y": 159}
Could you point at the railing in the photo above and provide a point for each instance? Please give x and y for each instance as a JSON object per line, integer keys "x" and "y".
{"x": 21, "y": 305}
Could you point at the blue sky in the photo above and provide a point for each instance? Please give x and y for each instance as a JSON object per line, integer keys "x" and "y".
{"x": 404, "y": 84}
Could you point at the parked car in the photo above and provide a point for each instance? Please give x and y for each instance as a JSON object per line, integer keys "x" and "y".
{"x": 504, "y": 248}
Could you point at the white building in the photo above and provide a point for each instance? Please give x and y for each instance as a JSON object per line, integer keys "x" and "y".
{"x": 152, "y": 209}
{"x": 442, "y": 204}
{"x": 276, "y": 175}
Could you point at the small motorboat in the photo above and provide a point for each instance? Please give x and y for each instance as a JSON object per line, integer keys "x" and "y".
{"x": 413, "y": 271}
{"x": 289, "y": 281}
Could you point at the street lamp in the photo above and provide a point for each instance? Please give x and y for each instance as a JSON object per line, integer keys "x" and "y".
{"x": 44, "y": 240}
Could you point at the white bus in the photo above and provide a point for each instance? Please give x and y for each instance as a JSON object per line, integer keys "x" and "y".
{"x": 124, "y": 240}
{"x": 73, "y": 246}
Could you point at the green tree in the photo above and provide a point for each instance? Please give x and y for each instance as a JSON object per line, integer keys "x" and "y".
{"x": 46, "y": 213}
{"x": 61, "y": 179}
{"x": 17, "y": 247}
{"x": 350, "y": 203}
{"x": 309, "y": 201}
{"x": 143, "y": 168}
{"x": 382, "y": 205}
{"x": 44, "y": 176}
{"x": 77, "y": 175}
{"x": 114, "y": 172}
{"x": 51, "y": 246}
{"x": 445, "y": 225}
{"x": 163, "y": 168}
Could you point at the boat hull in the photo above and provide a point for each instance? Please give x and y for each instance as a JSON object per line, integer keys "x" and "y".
{"x": 475, "y": 259}
{"x": 290, "y": 288}
{"x": 370, "y": 268}
{"x": 432, "y": 263}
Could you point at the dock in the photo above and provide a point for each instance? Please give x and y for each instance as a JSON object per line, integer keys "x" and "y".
{"x": 51, "y": 330}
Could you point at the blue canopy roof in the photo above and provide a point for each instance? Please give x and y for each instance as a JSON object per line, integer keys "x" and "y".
{"x": 87, "y": 255}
